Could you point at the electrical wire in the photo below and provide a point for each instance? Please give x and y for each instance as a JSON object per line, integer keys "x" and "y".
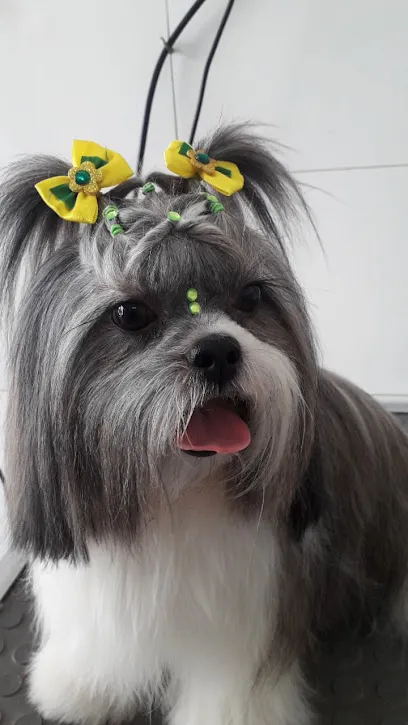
{"x": 207, "y": 67}
{"x": 173, "y": 88}
{"x": 168, "y": 48}
{"x": 155, "y": 77}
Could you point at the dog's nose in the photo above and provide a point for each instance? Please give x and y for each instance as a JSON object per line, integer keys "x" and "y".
{"x": 218, "y": 357}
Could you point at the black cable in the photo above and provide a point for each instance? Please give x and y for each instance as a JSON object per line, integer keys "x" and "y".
{"x": 155, "y": 77}
{"x": 207, "y": 67}
{"x": 168, "y": 48}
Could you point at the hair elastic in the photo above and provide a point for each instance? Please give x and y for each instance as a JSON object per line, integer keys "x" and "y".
{"x": 148, "y": 187}
{"x": 173, "y": 216}
{"x": 110, "y": 213}
{"x": 213, "y": 205}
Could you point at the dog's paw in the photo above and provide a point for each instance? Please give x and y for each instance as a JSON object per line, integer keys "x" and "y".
{"x": 59, "y": 691}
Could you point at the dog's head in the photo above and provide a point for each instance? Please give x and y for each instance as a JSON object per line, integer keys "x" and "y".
{"x": 114, "y": 382}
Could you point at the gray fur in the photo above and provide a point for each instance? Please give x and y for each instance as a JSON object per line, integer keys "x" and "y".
{"x": 94, "y": 411}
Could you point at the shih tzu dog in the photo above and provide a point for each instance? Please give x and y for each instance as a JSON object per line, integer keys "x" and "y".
{"x": 200, "y": 501}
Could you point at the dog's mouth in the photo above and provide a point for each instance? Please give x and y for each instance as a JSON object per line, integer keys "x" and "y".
{"x": 220, "y": 426}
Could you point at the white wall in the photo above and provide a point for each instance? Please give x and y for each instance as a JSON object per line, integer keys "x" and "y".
{"x": 80, "y": 71}
{"x": 329, "y": 76}
{"x": 330, "y": 79}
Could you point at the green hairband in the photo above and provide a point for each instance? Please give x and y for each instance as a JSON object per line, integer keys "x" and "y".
{"x": 213, "y": 205}
{"x": 148, "y": 188}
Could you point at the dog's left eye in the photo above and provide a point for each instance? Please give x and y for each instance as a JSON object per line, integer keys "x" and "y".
{"x": 249, "y": 298}
{"x": 133, "y": 316}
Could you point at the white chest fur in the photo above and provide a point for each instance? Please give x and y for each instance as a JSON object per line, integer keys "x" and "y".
{"x": 196, "y": 590}
{"x": 195, "y": 598}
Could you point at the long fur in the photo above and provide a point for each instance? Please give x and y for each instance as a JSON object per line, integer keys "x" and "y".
{"x": 201, "y": 583}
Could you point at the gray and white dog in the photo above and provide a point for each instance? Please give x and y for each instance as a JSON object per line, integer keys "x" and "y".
{"x": 200, "y": 501}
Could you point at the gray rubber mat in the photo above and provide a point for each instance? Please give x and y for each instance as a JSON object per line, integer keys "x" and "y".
{"x": 358, "y": 680}
{"x": 362, "y": 681}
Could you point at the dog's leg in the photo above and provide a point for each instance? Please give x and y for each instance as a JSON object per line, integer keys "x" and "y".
{"x": 92, "y": 663}
{"x": 222, "y": 702}
{"x": 59, "y": 692}
{"x": 70, "y": 684}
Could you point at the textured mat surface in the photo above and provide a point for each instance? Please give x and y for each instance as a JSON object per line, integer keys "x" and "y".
{"x": 363, "y": 681}
{"x": 359, "y": 681}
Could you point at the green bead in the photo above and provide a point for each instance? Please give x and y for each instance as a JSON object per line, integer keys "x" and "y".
{"x": 173, "y": 216}
{"x": 110, "y": 212}
{"x": 82, "y": 177}
{"x": 147, "y": 188}
{"x": 194, "y": 308}
{"x": 216, "y": 206}
{"x": 202, "y": 158}
{"x": 115, "y": 230}
{"x": 211, "y": 197}
{"x": 192, "y": 294}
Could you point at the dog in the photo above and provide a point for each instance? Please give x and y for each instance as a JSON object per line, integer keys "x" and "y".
{"x": 200, "y": 502}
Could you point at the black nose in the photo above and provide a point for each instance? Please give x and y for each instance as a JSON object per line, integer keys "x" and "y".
{"x": 218, "y": 358}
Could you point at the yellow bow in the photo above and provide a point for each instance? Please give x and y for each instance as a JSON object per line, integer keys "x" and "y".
{"x": 73, "y": 197}
{"x": 223, "y": 176}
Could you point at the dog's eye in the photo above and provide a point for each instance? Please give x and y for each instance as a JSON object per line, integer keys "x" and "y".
{"x": 133, "y": 316}
{"x": 249, "y": 298}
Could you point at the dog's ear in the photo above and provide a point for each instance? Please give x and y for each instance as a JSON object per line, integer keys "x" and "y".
{"x": 270, "y": 193}
{"x": 29, "y": 229}
{"x": 38, "y": 515}
{"x": 29, "y": 233}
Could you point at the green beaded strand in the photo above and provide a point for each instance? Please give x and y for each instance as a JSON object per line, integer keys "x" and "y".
{"x": 194, "y": 306}
{"x": 192, "y": 294}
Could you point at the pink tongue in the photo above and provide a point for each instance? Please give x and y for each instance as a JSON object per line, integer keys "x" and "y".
{"x": 215, "y": 429}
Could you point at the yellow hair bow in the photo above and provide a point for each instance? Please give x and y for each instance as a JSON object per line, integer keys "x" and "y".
{"x": 223, "y": 176}
{"x": 73, "y": 197}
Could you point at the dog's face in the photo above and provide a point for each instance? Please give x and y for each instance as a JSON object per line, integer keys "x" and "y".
{"x": 126, "y": 384}
{"x": 146, "y": 365}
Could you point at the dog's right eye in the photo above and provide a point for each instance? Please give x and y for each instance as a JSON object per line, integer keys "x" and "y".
{"x": 133, "y": 316}
{"x": 249, "y": 298}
